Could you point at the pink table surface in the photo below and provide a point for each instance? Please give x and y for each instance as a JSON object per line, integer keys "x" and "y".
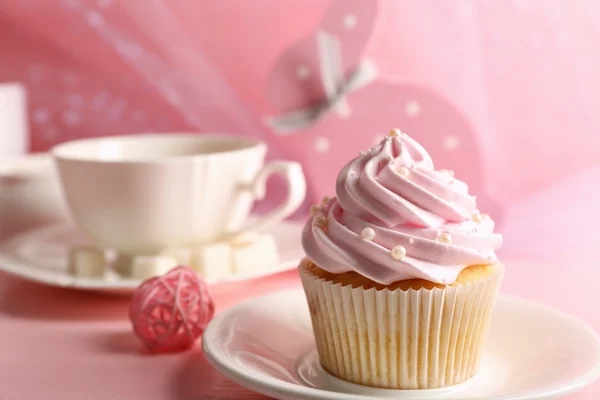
{"x": 64, "y": 344}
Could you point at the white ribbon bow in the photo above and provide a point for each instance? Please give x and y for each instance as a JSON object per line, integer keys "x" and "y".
{"x": 335, "y": 86}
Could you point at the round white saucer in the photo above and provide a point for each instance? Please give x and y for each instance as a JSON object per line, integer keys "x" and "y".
{"x": 533, "y": 352}
{"x": 40, "y": 255}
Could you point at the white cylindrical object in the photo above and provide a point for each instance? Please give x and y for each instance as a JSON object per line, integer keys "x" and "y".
{"x": 14, "y": 131}
{"x": 145, "y": 267}
{"x": 257, "y": 255}
{"x": 213, "y": 261}
{"x": 85, "y": 261}
{"x": 182, "y": 255}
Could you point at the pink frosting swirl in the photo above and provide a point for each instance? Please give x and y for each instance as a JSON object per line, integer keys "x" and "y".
{"x": 390, "y": 197}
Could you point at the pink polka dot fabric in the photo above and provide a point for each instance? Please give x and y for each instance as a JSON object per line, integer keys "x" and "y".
{"x": 509, "y": 106}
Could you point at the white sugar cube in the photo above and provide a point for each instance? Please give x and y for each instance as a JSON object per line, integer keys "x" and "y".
{"x": 145, "y": 267}
{"x": 183, "y": 256}
{"x": 213, "y": 261}
{"x": 245, "y": 239}
{"x": 123, "y": 264}
{"x": 86, "y": 261}
{"x": 254, "y": 256}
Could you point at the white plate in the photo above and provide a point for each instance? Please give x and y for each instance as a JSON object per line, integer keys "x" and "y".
{"x": 40, "y": 255}
{"x": 533, "y": 352}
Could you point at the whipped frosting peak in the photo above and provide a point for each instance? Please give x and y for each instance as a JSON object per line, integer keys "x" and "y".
{"x": 395, "y": 217}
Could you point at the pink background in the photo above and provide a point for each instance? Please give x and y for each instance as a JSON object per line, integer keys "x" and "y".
{"x": 514, "y": 81}
{"x": 525, "y": 89}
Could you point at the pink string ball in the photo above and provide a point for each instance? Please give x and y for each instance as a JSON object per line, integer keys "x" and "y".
{"x": 170, "y": 312}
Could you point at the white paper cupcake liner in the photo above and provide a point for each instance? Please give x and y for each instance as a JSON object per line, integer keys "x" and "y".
{"x": 414, "y": 339}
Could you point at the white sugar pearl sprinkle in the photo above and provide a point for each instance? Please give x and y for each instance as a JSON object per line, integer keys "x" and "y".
{"x": 445, "y": 238}
{"x": 398, "y": 253}
{"x": 476, "y": 217}
{"x": 411, "y": 240}
{"x": 403, "y": 171}
{"x": 368, "y": 234}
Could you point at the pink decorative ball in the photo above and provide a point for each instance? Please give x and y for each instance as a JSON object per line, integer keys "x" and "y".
{"x": 170, "y": 312}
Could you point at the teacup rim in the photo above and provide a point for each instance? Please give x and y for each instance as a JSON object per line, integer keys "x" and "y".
{"x": 60, "y": 151}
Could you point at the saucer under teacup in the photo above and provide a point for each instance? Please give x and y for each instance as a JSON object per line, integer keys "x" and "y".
{"x": 533, "y": 352}
{"x": 41, "y": 255}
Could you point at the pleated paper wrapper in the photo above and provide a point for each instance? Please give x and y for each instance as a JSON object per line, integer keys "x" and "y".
{"x": 413, "y": 339}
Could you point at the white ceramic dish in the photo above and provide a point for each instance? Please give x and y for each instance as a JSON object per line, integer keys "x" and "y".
{"x": 534, "y": 352}
{"x": 40, "y": 255}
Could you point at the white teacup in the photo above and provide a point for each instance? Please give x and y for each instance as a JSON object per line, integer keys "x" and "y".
{"x": 140, "y": 194}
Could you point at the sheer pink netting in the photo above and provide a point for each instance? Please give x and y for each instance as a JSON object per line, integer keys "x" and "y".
{"x": 96, "y": 68}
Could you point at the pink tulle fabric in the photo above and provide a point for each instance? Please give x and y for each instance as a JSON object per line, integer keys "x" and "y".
{"x": 170, "y": 312}
{"x": 526, "y": 88}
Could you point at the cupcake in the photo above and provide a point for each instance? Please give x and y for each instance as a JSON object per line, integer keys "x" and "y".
{"x": 400, "y": 272}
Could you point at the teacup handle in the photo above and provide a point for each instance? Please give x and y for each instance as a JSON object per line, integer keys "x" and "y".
{"x": 291, "y": 172}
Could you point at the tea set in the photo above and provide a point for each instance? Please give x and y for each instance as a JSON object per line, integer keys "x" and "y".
{"x": 170, "y": 198}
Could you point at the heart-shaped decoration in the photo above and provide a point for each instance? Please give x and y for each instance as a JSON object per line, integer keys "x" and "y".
{"x": 327, "y": 118}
